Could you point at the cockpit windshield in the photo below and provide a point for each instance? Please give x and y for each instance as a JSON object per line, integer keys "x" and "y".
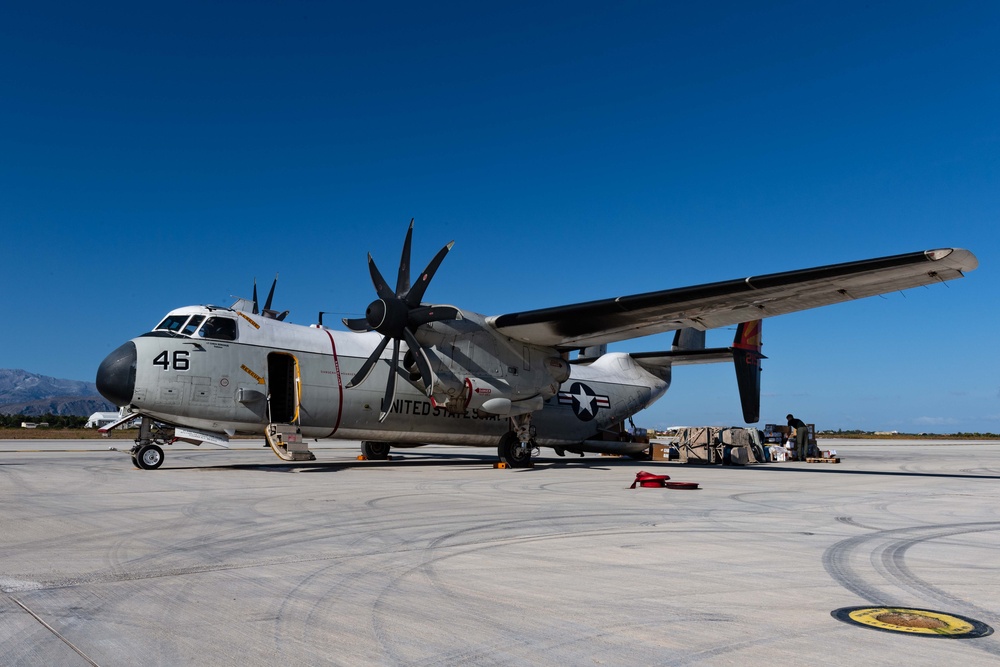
{"x": 218, "y": 328}
{"x": 172, "y": 323}
{"x": 192, "y": 324}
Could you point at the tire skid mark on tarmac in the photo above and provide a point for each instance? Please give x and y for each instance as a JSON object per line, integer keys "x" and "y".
{"x": 886, "y": 551}
{"x": 410, "y": 538}
{"x": 892, "y": 558}
{"x": 611, "y": 639}
{"x": 499, "y": 610}
{"x": 851, "y": 522}
{"x": 298, "y": 620}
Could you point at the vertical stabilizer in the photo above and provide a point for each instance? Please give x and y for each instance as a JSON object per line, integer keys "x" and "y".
{"x": 746, "y": 359}
{"x": 688, "y": 339}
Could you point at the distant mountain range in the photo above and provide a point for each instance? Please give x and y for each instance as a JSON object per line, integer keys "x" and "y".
{"x": 24, "y": 393}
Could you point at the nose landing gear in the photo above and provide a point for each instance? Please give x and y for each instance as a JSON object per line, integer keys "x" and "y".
{"x": 146, "y": 453}
{"x": 147, "y": 457}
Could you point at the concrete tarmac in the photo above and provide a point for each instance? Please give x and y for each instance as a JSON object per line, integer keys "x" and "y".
{"x": 435, "y": 558}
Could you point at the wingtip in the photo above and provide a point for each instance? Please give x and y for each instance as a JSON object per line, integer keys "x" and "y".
{"x": 959, "y": 258}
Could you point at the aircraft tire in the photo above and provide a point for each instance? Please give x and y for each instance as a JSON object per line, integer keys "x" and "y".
{"x": 375, "y": 451}
{"x": 149, "y": 457}
{"x": 511, "y": 452}
{"x": 135, "y": 461}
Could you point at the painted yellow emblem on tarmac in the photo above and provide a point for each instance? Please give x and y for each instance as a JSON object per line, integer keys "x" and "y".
{"x": 911, "y": 620}
{"x": 914, "y": 621}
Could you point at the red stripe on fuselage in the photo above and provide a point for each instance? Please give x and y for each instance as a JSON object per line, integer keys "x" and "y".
{"x": 340, "y": 384}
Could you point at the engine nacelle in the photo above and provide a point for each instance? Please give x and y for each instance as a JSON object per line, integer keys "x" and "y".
{"x": 472, "y": 394}
{"x": 558, "y": 368}
{"x": 478, "y": 391}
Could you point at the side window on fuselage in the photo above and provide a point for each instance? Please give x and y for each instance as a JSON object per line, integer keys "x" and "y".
{"x": 219, "y": 328}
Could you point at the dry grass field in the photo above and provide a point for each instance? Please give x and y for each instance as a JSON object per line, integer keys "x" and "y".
{"x": 63, "y": 434}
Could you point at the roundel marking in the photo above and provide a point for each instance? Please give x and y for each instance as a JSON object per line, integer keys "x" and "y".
{"x": 923, "y": 622}
{"x": 585, "y": 401}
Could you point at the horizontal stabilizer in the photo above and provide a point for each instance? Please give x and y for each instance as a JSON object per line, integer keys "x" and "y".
{"x": 712, "y": 355}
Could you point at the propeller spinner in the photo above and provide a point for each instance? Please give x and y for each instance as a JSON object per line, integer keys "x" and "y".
{"x": 395, "y": 315}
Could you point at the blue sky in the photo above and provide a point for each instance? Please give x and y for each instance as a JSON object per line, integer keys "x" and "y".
{"x": 159, "y": 155}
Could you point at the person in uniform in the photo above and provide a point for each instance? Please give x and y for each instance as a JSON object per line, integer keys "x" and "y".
{"x": 801, "y": 437}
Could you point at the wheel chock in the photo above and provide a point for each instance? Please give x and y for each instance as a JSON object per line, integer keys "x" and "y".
{"x": 362, "y": 457}
{"x": 500, "y": 465}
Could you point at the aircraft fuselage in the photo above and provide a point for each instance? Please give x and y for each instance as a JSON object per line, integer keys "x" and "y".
{"x": 253, "y": 371}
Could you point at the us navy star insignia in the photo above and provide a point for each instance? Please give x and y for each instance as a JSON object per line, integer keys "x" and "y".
{"x": 585, "y": 401}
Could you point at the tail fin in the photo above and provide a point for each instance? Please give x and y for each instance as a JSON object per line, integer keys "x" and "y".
{"x": 688, "y": 339}
{"x": 746, "y": 359}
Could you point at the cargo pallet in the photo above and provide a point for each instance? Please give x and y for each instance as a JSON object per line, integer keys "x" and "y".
{"x": 836, "y": 459}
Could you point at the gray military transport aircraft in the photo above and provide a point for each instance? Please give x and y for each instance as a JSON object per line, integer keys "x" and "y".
{"x": 452, "y": 376}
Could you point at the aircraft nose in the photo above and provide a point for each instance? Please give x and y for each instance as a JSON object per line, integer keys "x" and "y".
{"x": 116, "y": 375}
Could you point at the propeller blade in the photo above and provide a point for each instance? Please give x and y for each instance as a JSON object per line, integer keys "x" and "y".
{"x": 390, "y": 387}
{"x": 423, "y": 363}
{"x": 380, "y": 285}
{"x": 425, "y": 314}
{"x": 270, "y": 295}
{"x": 415, "y": 295}
{"x": 255, "y": 311}
{"x": 366, "y": 368}
{"x": 358, "y": 325}
{"x": 403, "y": 281}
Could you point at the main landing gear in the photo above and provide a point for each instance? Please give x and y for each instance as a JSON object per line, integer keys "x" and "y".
{"x": 375, "y": 451}
{"x": 516, "y": 446}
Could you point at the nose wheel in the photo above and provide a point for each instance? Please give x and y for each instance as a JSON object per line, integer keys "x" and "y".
{"x": 147, "y": 457}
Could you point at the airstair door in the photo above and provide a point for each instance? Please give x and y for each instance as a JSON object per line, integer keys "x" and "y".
{"x": 282, "y": 388}
{"x": 283, "y": 433}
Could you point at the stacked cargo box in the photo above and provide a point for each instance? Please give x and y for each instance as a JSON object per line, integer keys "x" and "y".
{"x": 779, "y": 434}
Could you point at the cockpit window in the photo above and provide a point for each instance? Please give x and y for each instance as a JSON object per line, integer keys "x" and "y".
{"x": 192, "y": 324}
{"x": 217, "y": 328}
{"x": 220, "y": 328}
{"x": 172, "y": 323}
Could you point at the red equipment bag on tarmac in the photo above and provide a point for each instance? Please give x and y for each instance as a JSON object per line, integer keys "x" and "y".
{"x": 650, "y": 481}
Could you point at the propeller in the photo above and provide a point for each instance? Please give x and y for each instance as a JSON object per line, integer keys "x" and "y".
{"x": 396, "y": 314}
{"x": 267, "y": 312}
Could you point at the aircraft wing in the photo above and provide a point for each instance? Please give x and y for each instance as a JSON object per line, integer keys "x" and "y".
{"x": 730, "y": 302}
